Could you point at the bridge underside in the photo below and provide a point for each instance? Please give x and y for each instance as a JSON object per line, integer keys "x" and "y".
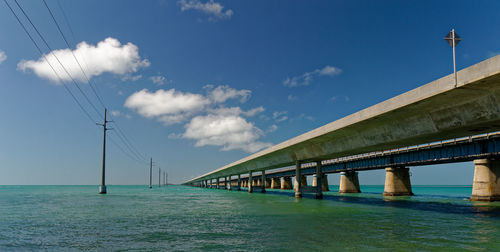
{"x": 433, "y": 112}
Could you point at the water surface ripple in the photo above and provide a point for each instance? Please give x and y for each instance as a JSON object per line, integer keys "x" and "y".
{"x": 178, "y": 218}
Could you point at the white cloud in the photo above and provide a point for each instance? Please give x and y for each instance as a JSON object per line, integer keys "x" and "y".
{"x": 115, "y": 113}
{"x": 229, "y": 131}
{"x": 213, "y": 9}
{"x": 280, "y": 116}
{"x": 236, "y": 111}
{"x": 306, "y": 78}
{"x": 3, "y": 56}
{"x": 292, "y": 97}
{"x": 169, "y": 106}
{"x": 254, "y": 111}
{"x": 272, "y": 128}
{"x": 336, "y": 98}
{"x": 223, "y": 93}
{"x": 210, "y": 122}
{"x": 109, "y": 56}
{"x": 129, "y": 77}
{"x": 158, "y": 80}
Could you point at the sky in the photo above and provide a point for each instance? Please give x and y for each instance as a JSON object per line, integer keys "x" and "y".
{"x": 198, "y": 84}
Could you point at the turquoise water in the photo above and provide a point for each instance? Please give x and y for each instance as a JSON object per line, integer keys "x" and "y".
{"x": 178, "y": 218}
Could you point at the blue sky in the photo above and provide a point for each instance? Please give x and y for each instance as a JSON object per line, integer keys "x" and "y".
{"x": 198, "y": 84}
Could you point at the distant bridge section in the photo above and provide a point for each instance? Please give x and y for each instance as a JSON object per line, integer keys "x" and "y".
{"x": 433, "y": 112}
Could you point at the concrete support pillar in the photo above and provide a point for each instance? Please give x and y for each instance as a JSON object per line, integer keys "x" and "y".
{"x": 239, "y": 182}
{"x": 298, "y": 178}
{"x": 349, "y": 182}
{"x": 268, "y": 183}
{"x": 324, "y": 182}
{"x": 258, "y": 182}
{"x": 319, "y": 180}
{"x": 286, "y": 183}
{"x": 263, "y": 182}
{"x": 303, "y": 181}
{"x": 486, "y": 185}
{"x": 229, "y": 184}
{"x": 250, "y": 180}
{"x": 275, "y": 183}
{"x": 397, "y": 182}
{"x": 218, "y": 185}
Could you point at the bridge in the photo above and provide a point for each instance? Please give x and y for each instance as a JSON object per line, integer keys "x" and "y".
{"x": 427, "y": 125}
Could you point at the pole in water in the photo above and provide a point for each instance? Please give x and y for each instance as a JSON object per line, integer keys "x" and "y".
{"x": 102, "y": 187}
{"x": 150, "y": 172}
{"x": 159, "y": 177}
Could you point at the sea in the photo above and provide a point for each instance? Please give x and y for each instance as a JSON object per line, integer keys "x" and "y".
{"x": 182, "y": 218}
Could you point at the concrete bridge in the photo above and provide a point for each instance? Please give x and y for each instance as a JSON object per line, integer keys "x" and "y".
{"x": 424, "y": 116}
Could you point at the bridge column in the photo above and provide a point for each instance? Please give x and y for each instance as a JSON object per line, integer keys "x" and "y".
{"x": 298, "y": 178}
{"x": 229, "y": 183}
{"x": 275, "y": 183}
{"x": 349, "y": 182}
{"x": 397, "y": 182}
{"x": 303, "y": 181}
{"x": 486, "y": 185}
{"x": 268, "y": 183}
{"x": 263, "y": 190}
{"x": 259, "y": 182}
{"x": 218, "y": 184}
{"x": 239, "y": 182}
{"x": 318, "y": 178}
{"x": 286, "y": 183}
{"x": 250, "y": 180}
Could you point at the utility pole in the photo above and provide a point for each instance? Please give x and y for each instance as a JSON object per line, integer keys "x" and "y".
{"x": 102, "y": 187}
{"x": 159, "y": 177}
{"x": 166, "y": 178}
{"x": 150, "y": 173}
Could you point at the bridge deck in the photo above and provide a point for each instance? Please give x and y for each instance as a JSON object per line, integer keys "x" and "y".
{"x": 429, "y": 113}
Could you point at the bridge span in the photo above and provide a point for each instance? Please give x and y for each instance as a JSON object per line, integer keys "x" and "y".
{"x": 421, "y": 117}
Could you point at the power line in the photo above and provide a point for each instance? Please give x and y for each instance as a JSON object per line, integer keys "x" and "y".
{"x": 76, "y": 59}
{"x": 57, "y": 58}
{"x": 121, "y": 135}
{"x": 45, "y": 58}
{"x": 123, "y": 151}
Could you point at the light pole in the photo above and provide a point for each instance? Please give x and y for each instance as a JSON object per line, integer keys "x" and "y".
{"x": 453, "y": 39}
